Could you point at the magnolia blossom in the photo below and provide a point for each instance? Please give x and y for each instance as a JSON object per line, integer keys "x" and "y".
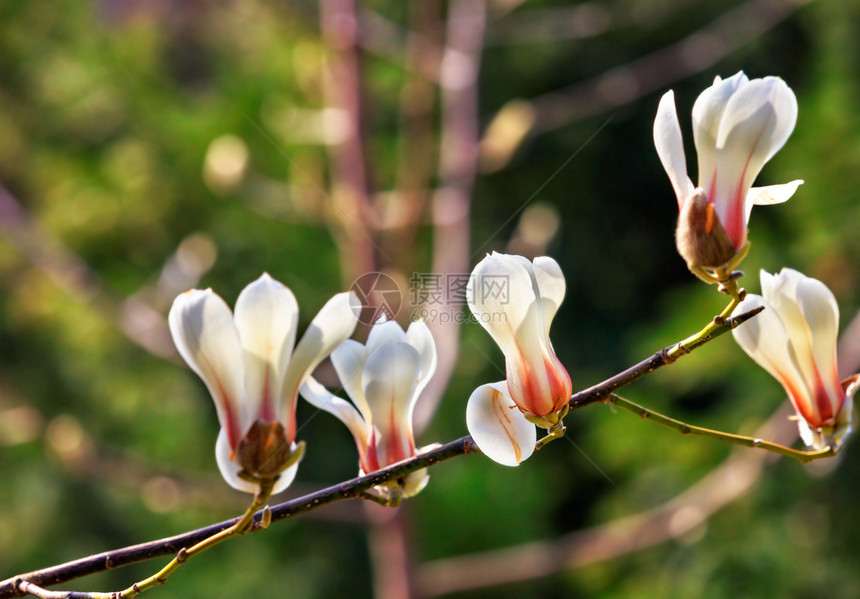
{"x": 515, "y": 300}
{"x": 738, "y": 125}
{"x": 383, "y": 379}
{"x": 794, "y": 339}
{"x": 253, "y": 373}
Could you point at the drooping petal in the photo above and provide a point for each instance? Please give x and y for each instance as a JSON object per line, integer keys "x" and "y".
{"x": 202, "y": 328}
{"x": 348, "y": 361}
{"x": 230, "y": 469}
{"x": 317, "y": 395}
{"x": 390, "y": 378}
{"x": 670, "y": 147}
{"x": 334, "y": 323}
{"x": 266, "y": 317}
{"x": 772, "y": 194}
{"x": 497, "y": 426}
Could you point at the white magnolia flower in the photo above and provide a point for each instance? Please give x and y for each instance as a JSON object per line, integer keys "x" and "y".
{"x": 253, "y": 373}
{"x": 515, "y": 300}
{"x": 383, "y": 379}
{"x": 794, "y": 339}
{"x": 738, "y": 125}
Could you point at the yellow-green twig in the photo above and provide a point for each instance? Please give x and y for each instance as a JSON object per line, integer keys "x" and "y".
{"x": 239, "y": 528}
{"x": 689, "y": 429}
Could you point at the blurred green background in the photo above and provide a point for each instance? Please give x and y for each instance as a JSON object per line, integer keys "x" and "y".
{"x": 144, "y": 145}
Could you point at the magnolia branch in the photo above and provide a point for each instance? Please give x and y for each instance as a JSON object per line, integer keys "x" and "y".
{"x": 33, "y": 582}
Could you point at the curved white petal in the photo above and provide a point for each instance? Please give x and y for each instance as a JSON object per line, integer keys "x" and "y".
{"x": 765, "y": 139}
{"x": 821, "y": 313}
{"x": 202, "y": 328}
{"x": 230, "y": 469}
{"x": 266, "y": 317}
{"x": 334, "y": 323}
{"x": 418, "y": 335}
{"x": 757, "y": 121}
{"x": 551, "y": 285}
{"x": 348, "y": 361}
{"x": 382, "y": 333}
{"x": 766, "y": 340}
{"x": 708, "y": 113}
{"x": 389, "y": 379}
{"x": 498, "y": 428}
{"x": 670, "y": 147}
{"x": 320, "y": 397}
{"x": 501, "y": 295}
{"x": 772, "y": 194}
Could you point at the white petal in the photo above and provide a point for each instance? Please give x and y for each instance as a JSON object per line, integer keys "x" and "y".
{"x": 266, "y": 316}
{"x": 766, "y": 340}
{"x": 740, "y": 117}
{"x": 708, "y": 113}
{"x": 202, "y": 328}
{"x": 382, "y": 333}
{"x": 498, "y": 428}
{"x": 773, "y": 194}
{"x": 670, "y": 147}
{"x": 818, "y": 307}
{"x": 390, "y": 378}
{"x": 419, "y": 336}
{"x": 551, "y": 285}
{"x": 317, "y": 395}
{"x": 757, "y": 121}
{"x": 501, "y": 295}
{"x": 230, "y": 469}
{"x": 334, "y": 323}
{"x": 348, "y": 361}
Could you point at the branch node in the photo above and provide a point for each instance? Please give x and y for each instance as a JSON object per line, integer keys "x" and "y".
{"x": 181, "y": 555}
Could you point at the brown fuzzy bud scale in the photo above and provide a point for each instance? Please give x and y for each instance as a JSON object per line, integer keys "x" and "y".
{"x": 700, "y": 237}
{"x": 264, "y": 451}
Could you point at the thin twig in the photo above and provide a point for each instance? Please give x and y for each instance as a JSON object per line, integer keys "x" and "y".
{"x": 172, "y": 545}
{"x": 600, "y": 392}
{"x": 689, "y": 429}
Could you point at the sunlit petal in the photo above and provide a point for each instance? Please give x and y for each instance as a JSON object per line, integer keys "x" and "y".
{"x": 670, "y": 147}
{"x": 204, "y": 333}
{"x": 498, "y": 428}
{"x": 266, "y": 317}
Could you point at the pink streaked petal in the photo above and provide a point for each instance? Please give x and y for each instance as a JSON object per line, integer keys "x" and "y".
{"x": 708, "y": 113}
{"x": 266, "y": 317}
{"x": 202, "y": 328}
{"x": 389, "y": 381}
